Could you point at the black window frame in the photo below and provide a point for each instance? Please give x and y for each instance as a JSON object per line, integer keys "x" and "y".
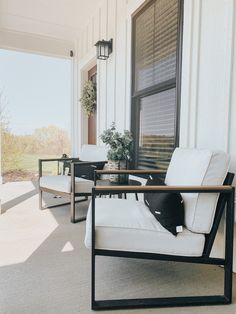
{"x": 161, "y": 87}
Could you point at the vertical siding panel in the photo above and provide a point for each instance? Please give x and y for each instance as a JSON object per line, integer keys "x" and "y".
{"x": 87, "y": 38}
{"x": 232, "y": 113}
{"x": 96, "y": 27}
{"x": 229, "y": 58}
{"x": 75, "y": 138}
{"x": 214, "y": 74}
{"x": 90, "y": 34}
{"x": 79, "y": 46}
{"x": 120, "y": 65}
{"x": 82, "y": 43}
{"x": 126, "y": 78}
{"x": 97, "y": 31}
{"x": 93, "y": 20}
{"x": 85, "y": 41}
{"x": 186, "y": 80}
{"x": 111, "y": 63}
{"x": 195, "y": 74}
{"x": 102, "y": 74}
{"x": 128, "y": 72}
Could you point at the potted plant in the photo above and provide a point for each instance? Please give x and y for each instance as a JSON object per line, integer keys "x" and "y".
{"x": 89, "y": 99}
{"x": 119, "y": 153}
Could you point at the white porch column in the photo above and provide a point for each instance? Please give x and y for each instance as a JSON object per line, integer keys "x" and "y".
{"x": 208, "y": 99}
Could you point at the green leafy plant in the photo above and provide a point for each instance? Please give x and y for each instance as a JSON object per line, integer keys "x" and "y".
{"x": 89, "y": 99}
{"x": 120, "y": 145}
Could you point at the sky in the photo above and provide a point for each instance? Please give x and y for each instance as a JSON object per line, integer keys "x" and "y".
{"x": 36, "y": 89}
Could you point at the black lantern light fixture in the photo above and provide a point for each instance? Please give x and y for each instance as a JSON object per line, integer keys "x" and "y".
{"x": 104, "y": 49}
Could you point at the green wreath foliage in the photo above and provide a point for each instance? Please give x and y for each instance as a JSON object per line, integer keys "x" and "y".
{"x": 88, "y": 99}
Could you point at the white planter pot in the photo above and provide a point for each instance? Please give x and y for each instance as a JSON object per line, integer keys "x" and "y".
{"x": 117, "y": 165}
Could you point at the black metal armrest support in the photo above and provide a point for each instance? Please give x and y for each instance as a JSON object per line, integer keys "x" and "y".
{"x": 130, "y": 171}
{"x": 78, "y": 168}
{"x": 85, "y": 169}
{"x": 97, "y": 173}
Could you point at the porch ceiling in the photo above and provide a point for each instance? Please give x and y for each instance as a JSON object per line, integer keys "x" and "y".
{"x": 57, "y": 18}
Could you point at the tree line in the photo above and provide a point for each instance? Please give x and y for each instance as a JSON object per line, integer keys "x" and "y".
{"x": 50, "y": 140}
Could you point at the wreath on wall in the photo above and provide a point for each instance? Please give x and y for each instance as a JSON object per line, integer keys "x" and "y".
{"x": 89, "y": 99}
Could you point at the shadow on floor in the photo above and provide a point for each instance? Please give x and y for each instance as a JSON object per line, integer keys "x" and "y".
{"x": 57, "y": 280}
{"x": 20, "y": 199}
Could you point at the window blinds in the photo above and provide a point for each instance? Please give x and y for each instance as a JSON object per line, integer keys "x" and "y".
{"x": 155, "y": 59}
{"x": 157, "y": 130}
{"x": 156, "y": 44}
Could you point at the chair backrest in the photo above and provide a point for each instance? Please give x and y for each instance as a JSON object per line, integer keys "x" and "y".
{"x": 93, "y": 153}
{"x": 210, "y": 238}
{"x": 198, "y": 167}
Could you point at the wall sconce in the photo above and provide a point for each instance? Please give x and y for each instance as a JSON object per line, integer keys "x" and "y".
{"x": 104, "y": 49}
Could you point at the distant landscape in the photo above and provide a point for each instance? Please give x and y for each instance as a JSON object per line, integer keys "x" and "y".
{"x": 20, "y": 153}
{"x": 35, "y": 98}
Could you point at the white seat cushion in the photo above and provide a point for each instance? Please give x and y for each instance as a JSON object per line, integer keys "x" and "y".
{"x": 63, "y": 184}
{"x": 198, "y": 167}
{"x": 128, "y": 225}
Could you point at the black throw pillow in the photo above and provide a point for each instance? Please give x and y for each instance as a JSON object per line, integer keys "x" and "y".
{"x": 167, "y": 208}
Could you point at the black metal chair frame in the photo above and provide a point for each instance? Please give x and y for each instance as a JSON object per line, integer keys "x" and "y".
{"x": 83, "y": 169}
{"x": 225, "y": 203}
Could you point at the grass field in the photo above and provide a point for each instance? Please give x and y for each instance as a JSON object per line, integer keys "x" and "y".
{"x": 29, "y": 162}
{"x": 27, "y": 168}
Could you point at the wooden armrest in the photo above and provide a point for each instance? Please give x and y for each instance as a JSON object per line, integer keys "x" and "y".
{"x": 163, "y": 188}
{"x": 129, "y": 171}
{"x": 58, "y": 159}
{"x": 87, "y": 163}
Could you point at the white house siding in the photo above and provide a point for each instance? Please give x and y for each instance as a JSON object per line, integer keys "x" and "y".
{"x": 112, "y": 20}
{"x": 208, "y": 103}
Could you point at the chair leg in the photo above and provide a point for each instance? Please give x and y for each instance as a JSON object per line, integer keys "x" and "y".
{"x": 119, "y": 304}
{"x": 93, "y": 265}
{"x": 72, "y": 209}
{"x": 229, "y": 238}
{"x": 40, "y": 199}
{"x": 72, "y": 203}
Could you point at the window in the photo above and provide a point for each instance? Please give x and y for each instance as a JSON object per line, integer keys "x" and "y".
{"x": 155, "y": 82}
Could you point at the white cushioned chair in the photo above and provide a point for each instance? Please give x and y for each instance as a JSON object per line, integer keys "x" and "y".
{"x": 126, "y": 228}
{"x": 79, "y": 182}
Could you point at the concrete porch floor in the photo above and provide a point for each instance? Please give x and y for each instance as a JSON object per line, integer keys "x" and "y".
{"x": 45, "y": 268}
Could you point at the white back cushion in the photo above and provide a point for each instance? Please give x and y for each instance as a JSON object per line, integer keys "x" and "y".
{"x": 198, "y": 167}
{"x": 93, "y": 153}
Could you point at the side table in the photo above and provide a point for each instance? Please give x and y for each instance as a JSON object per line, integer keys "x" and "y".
{"x": 107, "y": 182}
